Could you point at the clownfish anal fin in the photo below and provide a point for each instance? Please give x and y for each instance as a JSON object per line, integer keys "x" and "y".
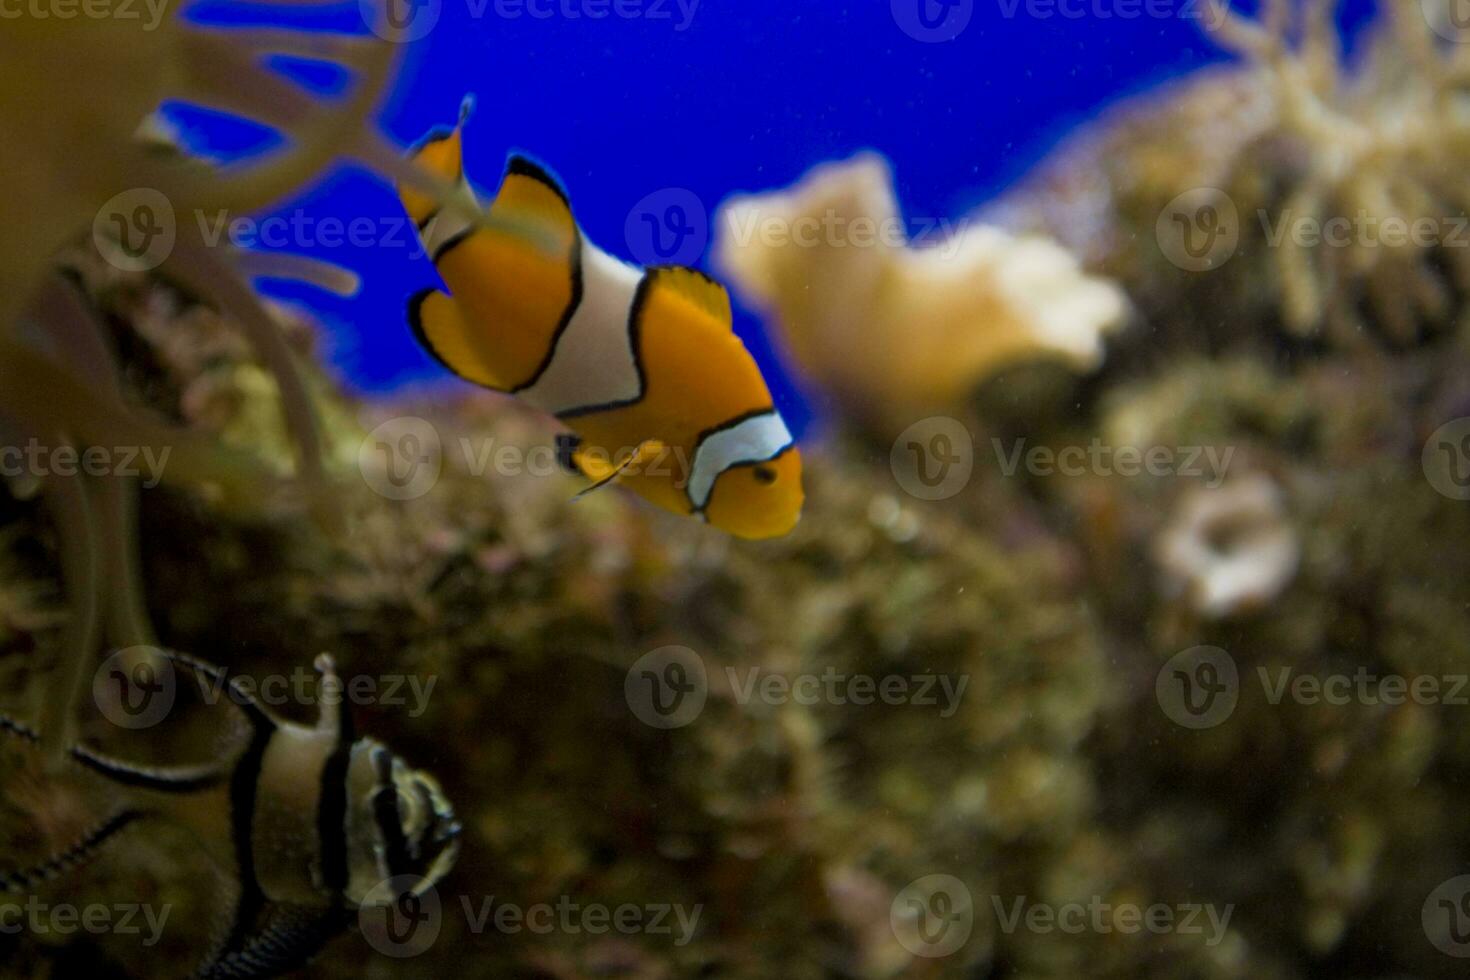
{"x": 696, "y": 288}
{"x": 440, "y": 327}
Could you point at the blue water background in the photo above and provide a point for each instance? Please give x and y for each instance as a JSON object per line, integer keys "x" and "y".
{"x": 745, "y": 95}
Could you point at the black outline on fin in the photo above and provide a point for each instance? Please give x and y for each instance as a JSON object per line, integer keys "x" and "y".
{"x": 63, "y": 862}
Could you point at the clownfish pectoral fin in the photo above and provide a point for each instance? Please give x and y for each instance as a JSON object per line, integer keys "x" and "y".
{"x": 696, "y": 288}
{"x": 440, "y": 327}
{"x": 604, "y": 471}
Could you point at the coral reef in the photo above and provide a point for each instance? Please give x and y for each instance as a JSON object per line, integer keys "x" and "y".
{"x": 1330, "y": 189}
{"x": 892, "y": 329}
{"x": 1057, "y": 775}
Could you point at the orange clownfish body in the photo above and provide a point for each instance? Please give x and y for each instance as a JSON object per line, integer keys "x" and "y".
{"x": 642, "y": 365}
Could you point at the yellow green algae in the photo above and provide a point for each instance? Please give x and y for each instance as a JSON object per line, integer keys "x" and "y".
{"x": 1058, "y": 778}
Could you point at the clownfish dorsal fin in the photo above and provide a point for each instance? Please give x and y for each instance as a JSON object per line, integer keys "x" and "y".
{"x": 522, "y": 165}
{"x": 530, "y": 191}
{"x": 704, "y": 293}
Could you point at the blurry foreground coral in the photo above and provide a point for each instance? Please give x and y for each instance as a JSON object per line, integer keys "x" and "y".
{"x": 893, "y": 328}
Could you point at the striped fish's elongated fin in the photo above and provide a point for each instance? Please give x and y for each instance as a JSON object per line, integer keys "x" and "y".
{"x": 19, "y": 730}
{"x": 704, "y": 293}
{"x": 515, "y": 297}
{"x": 286, "y": 938}
{"x": 28, "y": 879}
{"x": 439, "y": 325}
{"x": 190, "y": 779}
{"x": 173, "y": 780}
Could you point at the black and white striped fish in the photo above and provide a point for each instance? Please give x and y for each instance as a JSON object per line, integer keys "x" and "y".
{"x": 307, "y": 823}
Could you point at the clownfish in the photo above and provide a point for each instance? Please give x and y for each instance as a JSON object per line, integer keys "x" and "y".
{"x": 642, "y": 365}
{"x": 307, "y": 823}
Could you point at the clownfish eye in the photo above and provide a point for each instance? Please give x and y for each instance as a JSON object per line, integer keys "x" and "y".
{"x": 765, "y": 475}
